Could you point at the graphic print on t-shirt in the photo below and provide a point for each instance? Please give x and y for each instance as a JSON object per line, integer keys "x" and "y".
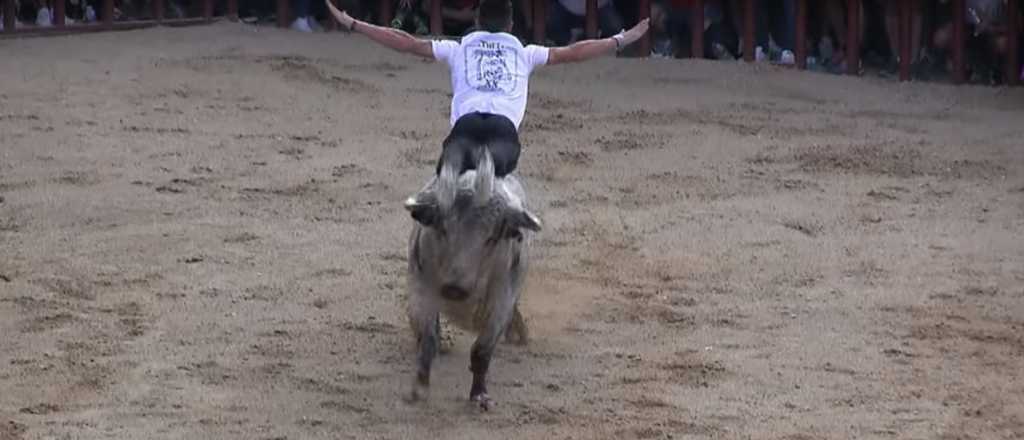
{"x": 490, "y": 67}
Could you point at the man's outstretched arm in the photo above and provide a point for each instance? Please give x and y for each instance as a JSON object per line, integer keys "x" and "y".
{"x": 589, "y": 49}
{"x": 394, "y": 38}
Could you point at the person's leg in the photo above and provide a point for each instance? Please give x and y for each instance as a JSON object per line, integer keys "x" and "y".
{"x": 785, "y": 24}
{"x": 761, "y": 24}
{"x": 301, "y": 14}
{"x": 502, "y": 139}
{"x": 609, "y": 20}
{"x": 892, "y": 21}
{"x": 460, "y": 143}
{"x": 560, "y": 23}
{"x": 475, "y": 130}
{"x": 836, "y": 19}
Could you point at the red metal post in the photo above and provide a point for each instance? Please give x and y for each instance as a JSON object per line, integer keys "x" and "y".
{"x": 748, "y": 30}
{"x": 158, "y": 10}
{"x": 108, "y": 13}
{"x": 436, "y": 25}
{"x": 697, "y": 29}
{"x": 958, "y": 40}
{"x": 540, "y": 21}
{"x": 591, "y": 19}
{"x": 905, "y": 25}
{"x": 208, "y": 9}
{"x": 233, "y": 10}
{"x": 801, "y": 34}
{"x": 385, "y": 14}
{"x": 282, "y": 13}
{"x": 9, "y": 15}
{"x": 853, "y": 37}
{"x": 1013, "y": 42}
{"x": 58, "y": 13}
{"x": 645, "y": 41}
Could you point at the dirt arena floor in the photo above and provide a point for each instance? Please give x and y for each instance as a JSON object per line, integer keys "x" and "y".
{"x": 201, "y": 237}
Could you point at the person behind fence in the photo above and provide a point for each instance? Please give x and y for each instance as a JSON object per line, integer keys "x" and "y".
{"x": 987, "y": 38}
{"x": 490, "y": 71}
{"x": 457, "y": 16}
{"x": 776, "y": 22}
{"x": 409, "y": 16}
{"x": 566, "y": 15}
{"x": 673, "y": 18}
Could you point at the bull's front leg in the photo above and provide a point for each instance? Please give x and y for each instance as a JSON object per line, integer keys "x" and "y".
{"x": 502, "y": 310}
{"x": 424, "y": 315}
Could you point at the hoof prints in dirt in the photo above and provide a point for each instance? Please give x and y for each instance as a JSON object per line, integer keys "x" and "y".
{"x": 625, "y": 140}
{"x": 880, "y": 159}
{"x": 77, "y": 178}
{"x": 40, "y": 409}
{"x": 48, "y": 322}
{"x": 295, "y": 68}
{"x": 301, "y": 70}
{"x": 11, "y": 430}
{"x": 73, "y": 288}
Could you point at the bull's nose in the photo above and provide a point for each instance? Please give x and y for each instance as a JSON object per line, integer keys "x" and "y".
{"x": 452, "y": 292}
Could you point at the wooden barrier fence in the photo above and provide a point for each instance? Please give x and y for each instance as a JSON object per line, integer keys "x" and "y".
{"x": 907, "y": 8}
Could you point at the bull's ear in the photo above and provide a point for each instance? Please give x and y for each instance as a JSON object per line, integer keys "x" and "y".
{"x": 422, "y": 209}
{"x": 523, "y": 219}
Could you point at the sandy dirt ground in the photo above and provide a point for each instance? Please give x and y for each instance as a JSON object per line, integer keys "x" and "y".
{"x": 201, "y": 236}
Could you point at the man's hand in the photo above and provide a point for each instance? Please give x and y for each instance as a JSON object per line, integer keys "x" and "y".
{"x": 637, "y": 32}
{"x": 346, "y": 21}
{"x": 396, "y": 39}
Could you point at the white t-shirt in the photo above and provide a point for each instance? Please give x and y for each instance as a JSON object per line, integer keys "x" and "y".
{"x": 490, "y": 73}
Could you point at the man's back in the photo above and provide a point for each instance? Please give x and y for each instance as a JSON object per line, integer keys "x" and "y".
{"x": 490, "y": 73}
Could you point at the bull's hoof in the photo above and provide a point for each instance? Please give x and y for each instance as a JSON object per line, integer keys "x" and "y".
{"x": 446, "y": 344}
{"x": 483, "y": 401}
{"x": 420, "y": 392}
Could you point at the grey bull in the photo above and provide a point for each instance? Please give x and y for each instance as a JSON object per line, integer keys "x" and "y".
{"x": 468, "y": 256}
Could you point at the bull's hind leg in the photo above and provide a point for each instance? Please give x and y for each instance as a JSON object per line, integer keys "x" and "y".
{"x": 517, "y": 333}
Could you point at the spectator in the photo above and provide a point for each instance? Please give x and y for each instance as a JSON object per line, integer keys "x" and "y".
{"x": 987, "y": 37}
{"x": 776, "y": 21}
{"x": 892, "y": 17}
{"x": 457, "y": 16}
{"x": 565, "y": 15}
{"x": 832, "y": 46}
{"x": 409, "y": 17}
{"x": 672, "y": 17}
{"x": 303, "y": 20}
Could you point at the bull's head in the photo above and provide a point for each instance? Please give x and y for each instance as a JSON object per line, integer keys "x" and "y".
{"x": 473, "y": 224}
{"x": 474, "y": 201}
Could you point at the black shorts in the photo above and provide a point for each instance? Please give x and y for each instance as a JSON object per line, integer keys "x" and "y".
{"x": 475, "y": 130}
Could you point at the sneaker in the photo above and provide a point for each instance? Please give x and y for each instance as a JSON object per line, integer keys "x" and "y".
{"x": 759, "y": 54}
{"x": 721, "y": 53}
{"x": 826, "y": 50}
{"x": 314, "y": 24}
{"x": 301, "y": 25}
{"x": 787, "y": 58}
{"x": 421, "y": 25}
{"x": 43, "y": 18}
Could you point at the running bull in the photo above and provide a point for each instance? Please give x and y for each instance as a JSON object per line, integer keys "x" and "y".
{"x": 468, "y": 261}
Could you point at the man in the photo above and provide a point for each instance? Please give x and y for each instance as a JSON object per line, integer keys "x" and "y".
{"x": 490, "y": 71}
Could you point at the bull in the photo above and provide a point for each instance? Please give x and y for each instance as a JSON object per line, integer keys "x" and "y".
{"x": 468, "y": 258}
